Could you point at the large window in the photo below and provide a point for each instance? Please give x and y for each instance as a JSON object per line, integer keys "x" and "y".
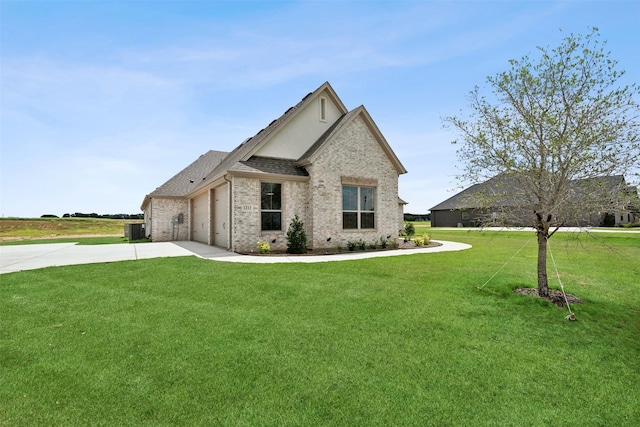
{"x": 358, "y": 207}
{"x": 271, "y": 206}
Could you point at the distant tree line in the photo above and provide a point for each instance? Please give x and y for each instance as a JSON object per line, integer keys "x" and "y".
{"x": 417, "y": 217}
{"x": 95, "y": 215}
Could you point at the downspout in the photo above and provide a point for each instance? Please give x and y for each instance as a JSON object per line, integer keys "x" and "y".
{"x": 230, "y": 207}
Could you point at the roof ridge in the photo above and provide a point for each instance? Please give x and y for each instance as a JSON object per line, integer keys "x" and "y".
{"x": 188, "y": 178}
{"x": 250, "y": 144}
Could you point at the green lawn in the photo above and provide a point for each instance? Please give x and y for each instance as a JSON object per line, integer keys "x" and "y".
{"x": 404, "y": 340}
{"x": 47, "y": 228}
{"x": 84, "y": 231}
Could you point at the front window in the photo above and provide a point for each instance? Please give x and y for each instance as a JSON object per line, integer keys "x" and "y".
{"x": 358, "y": 207}
{"x": 271, "y": 206}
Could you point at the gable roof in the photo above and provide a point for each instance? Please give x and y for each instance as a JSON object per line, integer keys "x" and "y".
{"x": 244, "y": 151}
{"x": 340, "y": 124}
{"x": 189, "y": 178}
{"x": 508, "y": 192}
{"x": 269, "y": 165}
{"x": 465, "y": 198}
{"x": 213, "y": 165}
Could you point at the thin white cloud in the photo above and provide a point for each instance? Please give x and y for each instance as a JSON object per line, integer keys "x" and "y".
{"x": 133, "y": 115}
{"x": 61, "y": 89}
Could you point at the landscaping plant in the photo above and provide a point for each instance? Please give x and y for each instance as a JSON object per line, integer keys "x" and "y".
{"x": 422, "y": 240}
{"x": 555, "y": 129}
{"x": 296, "y": 237}
{"x": 263, "y": 247}
{"x": 409, "y": 230}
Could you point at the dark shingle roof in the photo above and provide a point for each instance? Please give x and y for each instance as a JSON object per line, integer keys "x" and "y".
{"x": 458, "y": 201}
{"x": 260, "y": 164}
{"x": 504, "y": 190}
{"x": 244, "y": 150}
{"x": 214, "y": 164}
{"x": 190, "y": 177}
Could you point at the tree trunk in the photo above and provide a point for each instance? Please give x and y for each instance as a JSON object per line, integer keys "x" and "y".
{"x": 543, "y": 284}
{"x": 542, "y": 230}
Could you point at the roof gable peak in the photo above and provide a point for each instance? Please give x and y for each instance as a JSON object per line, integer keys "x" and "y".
{"x": 293, "y": 117}
{"x": 311, "y": 155}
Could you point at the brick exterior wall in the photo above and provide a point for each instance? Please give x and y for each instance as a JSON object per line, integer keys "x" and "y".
{"x": 162, "y": 212}
{"x": 246, "y": 228}
{"x": 354, "y": 154}
{"x": 245, "y": 214}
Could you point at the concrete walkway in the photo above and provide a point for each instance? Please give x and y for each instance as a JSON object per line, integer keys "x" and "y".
{"x": 30, "y": 257}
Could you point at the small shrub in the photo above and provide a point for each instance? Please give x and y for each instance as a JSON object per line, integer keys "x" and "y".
{"x": 263, "y": 247}
{"x": 423, "y": 240}
{"x": 631, "y": 225}
{"x": 383, "y": 242}
{"x": 373, "y": 246}
{"x": 358, "y": 244}
{"x": 409, "y": 229}
{"x": 296, "y": 237}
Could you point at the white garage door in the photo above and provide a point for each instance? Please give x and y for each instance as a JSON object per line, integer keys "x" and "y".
{"x": 221, "y": 218}
{"x": 201, "y": 218}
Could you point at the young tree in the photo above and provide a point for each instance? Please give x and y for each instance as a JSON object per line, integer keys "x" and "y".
{"x": 557, "y": 125}
{"x": 296, "y": 237}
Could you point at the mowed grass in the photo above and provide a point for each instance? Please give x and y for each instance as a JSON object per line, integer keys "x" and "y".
{"x": 84, "y": 231}
{"x": 406, "y": 340}
{"x": 48, "y": 228}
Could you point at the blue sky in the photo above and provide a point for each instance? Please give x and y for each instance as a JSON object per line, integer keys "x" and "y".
{"x": 103, "y": 101}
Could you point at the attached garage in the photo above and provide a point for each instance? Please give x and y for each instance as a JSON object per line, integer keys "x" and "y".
{"x": 305, "y": 154}
{"x": 200, "y": 226}
{"x": 221, "y": 216}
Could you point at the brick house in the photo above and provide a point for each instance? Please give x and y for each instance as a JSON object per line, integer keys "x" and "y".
{"x": 330, "y": 166}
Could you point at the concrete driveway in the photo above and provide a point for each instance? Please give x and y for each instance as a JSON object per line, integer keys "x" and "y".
{"x": 30, "y": 257}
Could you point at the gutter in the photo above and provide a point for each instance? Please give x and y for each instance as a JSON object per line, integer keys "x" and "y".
{"x": 230, "y": 207}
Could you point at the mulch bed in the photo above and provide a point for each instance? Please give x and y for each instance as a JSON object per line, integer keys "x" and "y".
{"x": 333, "y": 251}
{"x": 555, "y": 296}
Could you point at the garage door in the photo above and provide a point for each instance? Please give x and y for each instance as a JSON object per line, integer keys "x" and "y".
{"x": 201, "y": 218}
{"x": 221, "y": 219}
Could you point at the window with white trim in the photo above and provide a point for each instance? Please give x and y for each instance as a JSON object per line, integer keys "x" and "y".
{"x": 358, "y": 207}
{"x": 270, "y": 206}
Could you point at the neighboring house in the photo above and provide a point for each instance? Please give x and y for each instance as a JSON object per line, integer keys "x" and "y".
{"x": 329, "y": 166}
{"x": 508, "y": 208}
